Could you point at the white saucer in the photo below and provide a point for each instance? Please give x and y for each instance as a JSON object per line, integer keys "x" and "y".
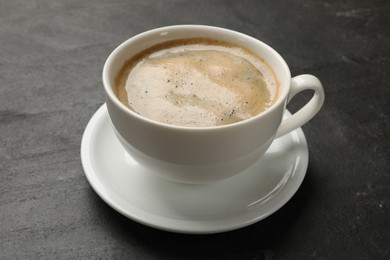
{"x": 221, "y": 206}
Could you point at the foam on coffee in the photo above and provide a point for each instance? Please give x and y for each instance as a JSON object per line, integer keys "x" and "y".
{"x": 197, "y": 82}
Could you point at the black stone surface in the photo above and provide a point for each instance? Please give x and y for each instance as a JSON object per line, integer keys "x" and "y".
{"x": 51, "y": 57}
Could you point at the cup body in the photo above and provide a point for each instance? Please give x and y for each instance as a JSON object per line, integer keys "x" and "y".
{"x": 194, "y": 154}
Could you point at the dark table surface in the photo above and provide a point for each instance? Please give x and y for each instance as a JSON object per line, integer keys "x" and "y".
{"x": 51, "y": 57}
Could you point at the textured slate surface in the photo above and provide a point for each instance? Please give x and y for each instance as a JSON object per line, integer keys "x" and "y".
{"x": 51, "y": 56}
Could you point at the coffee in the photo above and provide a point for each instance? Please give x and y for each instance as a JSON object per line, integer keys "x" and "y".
{"x": 197, "y": 82}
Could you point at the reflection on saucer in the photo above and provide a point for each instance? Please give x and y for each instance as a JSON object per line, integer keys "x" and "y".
{"x": 232, "y": 203}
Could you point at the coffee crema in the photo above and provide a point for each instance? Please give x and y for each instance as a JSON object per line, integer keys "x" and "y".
{"x": 197, "y": 82}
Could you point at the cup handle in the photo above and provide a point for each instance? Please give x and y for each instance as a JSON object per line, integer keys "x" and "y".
{"x": 308, "y": 111}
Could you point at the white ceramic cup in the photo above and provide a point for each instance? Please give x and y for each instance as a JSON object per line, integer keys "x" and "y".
{"x": 203, "y": 154}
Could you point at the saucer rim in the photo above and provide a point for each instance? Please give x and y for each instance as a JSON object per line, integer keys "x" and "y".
{"x": 280, "y": 199}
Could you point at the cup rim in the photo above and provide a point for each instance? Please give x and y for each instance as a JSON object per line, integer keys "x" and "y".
{"x": 164, "y": 30}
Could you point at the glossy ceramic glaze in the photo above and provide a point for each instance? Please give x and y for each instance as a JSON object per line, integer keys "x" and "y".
{"x": 202, "y": 154}
{"x": 235, "y": 202}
